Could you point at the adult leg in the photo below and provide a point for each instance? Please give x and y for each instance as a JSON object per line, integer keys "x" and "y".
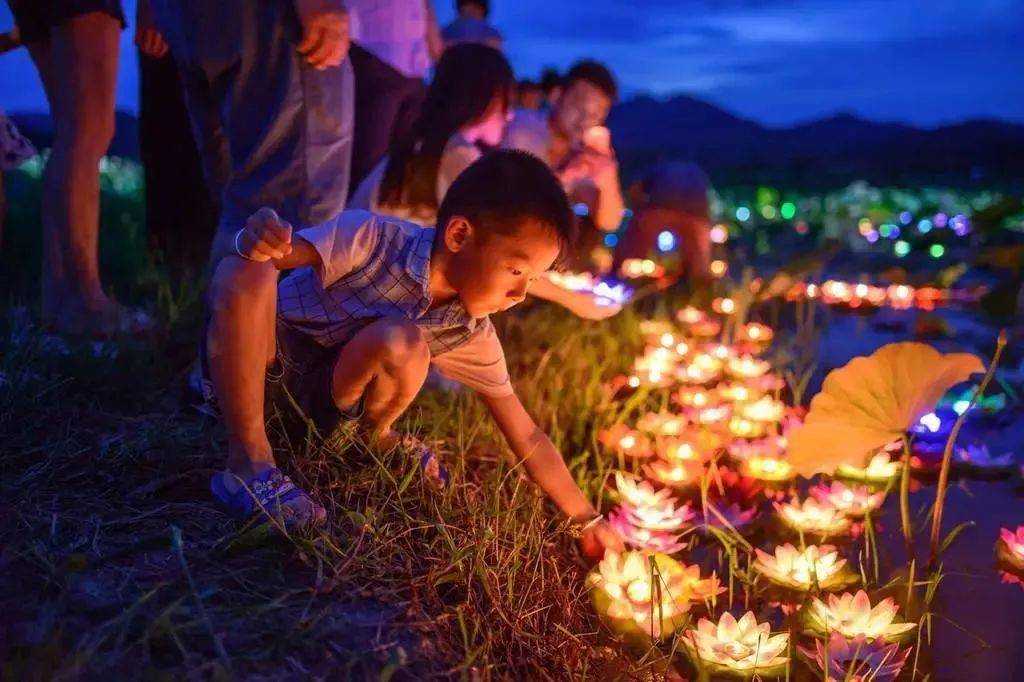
{"x": 386, "y": 364}
{"x": 83, "y": 74}
{"x": 378, "y": 102}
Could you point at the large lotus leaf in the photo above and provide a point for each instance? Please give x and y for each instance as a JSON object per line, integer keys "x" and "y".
{"x": 873, "y": 400}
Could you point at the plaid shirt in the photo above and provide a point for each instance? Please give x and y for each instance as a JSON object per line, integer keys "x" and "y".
{"x": 391, "y": 280}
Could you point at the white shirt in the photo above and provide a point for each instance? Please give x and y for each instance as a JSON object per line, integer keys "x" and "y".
{"x": 395, "y": 31}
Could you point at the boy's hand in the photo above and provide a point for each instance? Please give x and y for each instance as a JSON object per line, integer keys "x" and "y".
{"x": 325, "y": 32}
{"x": 265, "y": 237}
{"x": 598, "y": 538}
{"x": 588, "y": 305}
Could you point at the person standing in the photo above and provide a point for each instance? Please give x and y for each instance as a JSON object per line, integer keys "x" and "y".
{"x": 74, "y": 47}
{"x": 471, "y": 26}
{"x": 269, "y": 92}
{"x": 395, "y": 44}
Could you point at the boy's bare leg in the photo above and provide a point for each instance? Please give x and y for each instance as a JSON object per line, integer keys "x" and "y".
{"x": 78, "y": 66}
{"x": 240, "y": 345}
{"x": 387, "y": 363}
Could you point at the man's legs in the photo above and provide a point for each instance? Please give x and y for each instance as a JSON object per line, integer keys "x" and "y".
{"x": 79, "y": 70}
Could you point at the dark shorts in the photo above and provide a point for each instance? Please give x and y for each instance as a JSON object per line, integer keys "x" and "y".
{"x": 35, "y": 18}
{"x": 299, "y": 384}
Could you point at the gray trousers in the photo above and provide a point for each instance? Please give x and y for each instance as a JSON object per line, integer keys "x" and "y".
{"x": 272, "y": 131}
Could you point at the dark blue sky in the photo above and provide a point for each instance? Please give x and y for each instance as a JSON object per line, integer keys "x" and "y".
{"x": 776, "y": 61}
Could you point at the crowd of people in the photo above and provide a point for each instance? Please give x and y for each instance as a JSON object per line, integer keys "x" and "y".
{"x": 398, "y": 173}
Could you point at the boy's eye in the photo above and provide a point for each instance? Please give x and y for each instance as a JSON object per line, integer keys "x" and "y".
{"x": 516, "y": 272}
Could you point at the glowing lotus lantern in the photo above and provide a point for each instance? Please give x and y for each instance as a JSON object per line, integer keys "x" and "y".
{"x": 856, "y": 660}
{"x": 639, "y": 594}
{"x": 701, "y": 589}
{"x": 1010, "y": 548}
{"x": 701, "y": 369}
{"x": 766, "y": 410}
{"x": 773, "y": 447}
{"x": 977, "y": 459}
{"x": 736, "y": 392}
{"x": 690, "y": 315}
{"x": 900, "y": 296}
{"x": 854, "y": 501}
{"x": 799, "y": 570}
{"x": 724, "y": 306}
{"x": 654, "y": 329}
{"x": 695, "y": 396}
{"x": 679, "y": 450}
{"x": 641, "y": 267}
{"x": 755, "y": 332}
{"x": 627, "y": 523}
{"x": 679, "y": 474}
{"x": 662, "y": 423}
{"x": 852, "y": 615}
{"x": 640, "y": 493}
{"x": 624, "y": 440}
{"x": 814, "y": 517}
{"x": 741, "y": 427}
{"x": 767, "y": 469}
{"x": 731, "y": 515}
{"x": 881, "y": 469}
{"x": 747, "y": 367}
{"x": 707, "y": 416}
{"x": 736, "y": 649}
{"x": 721, "y": 351}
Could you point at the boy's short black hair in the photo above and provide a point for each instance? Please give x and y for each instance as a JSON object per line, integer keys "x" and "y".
{"x": 550, "y": 79}
{"x": 503, "y": 189}
{"x": 482, "y": 4}
{"x": 595, "y": 73}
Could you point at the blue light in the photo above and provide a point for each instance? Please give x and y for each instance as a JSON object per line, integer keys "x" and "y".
{"x": 906, "y": 217}
{"x": 960, "y": 406}
{"x": 871, "y": 236}
{"x": 611, "y": 239}
{"x": 743, "y": 214}
{"x": 666, "y": 241}
{"x": 924, "y": 226}
{"x": 581, "y": 209}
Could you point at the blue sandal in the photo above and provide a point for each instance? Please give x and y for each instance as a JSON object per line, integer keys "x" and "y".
{"x": 430, "y": 464}
{"x": 269, "y": 492}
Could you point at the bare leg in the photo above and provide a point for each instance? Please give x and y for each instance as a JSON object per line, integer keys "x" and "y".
{"x": 388, "y": 362}
{"x": 240, "y": 347}
{"x": 80, "y": 79}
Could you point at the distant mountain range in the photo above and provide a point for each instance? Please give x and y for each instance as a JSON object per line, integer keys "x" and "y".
{"x": 824, "y": 153}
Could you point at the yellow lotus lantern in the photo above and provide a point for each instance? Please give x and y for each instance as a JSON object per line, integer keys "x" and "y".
{"x": 662, "y": 423}
{"x": 747, "y": 367}
{"x": 814, "y": 517}
{"x": 640, "y": 493}
{"x": 873, "y": 400}
{"x": 690, "y": 315}
{"x": 765, "y": 410}
{"x": 738, "y": 649}
{"x": 766, "y": 468}
{"x": 626, "y": 441}
{"x": 794, "y": 569}
{"x": 854, "y": 501}
{"x": 852, "y": 615}
{"x": 639, "y": 594}
{"x": 773, "y": 447}
{"x": 755, "y": 332}
{"x": 737, "y": 393}
{"x": 880, "y": 469}
{"x": 741, "y": 427}
{"x": 701, "y": 369}
{"x": 678, "y": 474}
{"x": 695, "y": 396}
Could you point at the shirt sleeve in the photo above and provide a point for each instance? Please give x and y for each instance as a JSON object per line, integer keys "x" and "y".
{"x": 479, "y": 363}
{"x": 527, "y": 133}
{"x": 455, "y": 159}
{"x": 344, "y": 243}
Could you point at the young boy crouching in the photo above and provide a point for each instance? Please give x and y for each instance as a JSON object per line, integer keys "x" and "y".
{"x": 371, "y": 302}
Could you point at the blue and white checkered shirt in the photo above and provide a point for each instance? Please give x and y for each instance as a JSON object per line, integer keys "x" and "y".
{"x": 374, "y": 267}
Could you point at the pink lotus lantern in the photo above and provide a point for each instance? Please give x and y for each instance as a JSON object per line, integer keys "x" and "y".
{"x": 624, "y": 440}
{"x": 639, "y": 537}
{"x": 852, "y": 615}
{"x": 803, "y": 569}
{"x": 736, "y": 392}
{"x": 662, "y": 423}
{"x": 676, "y": 474}
{"x": 1010, "y": 548}
{"x": 766, "y": 410}
{"x": 856, "y": 660}
{"x": 814, "y": 517}
{"x": 701, "y": 369}
{"x": 854, "y": 501}
{"x": 695, "y": 396}
{"x": 640, "y": 493}
{"x": 724, "y": 306}
{"x": 755, "y": 332}
{"x": 900, "y": 296}
{"x": 741, "y": 649}
{"x": 640, "y": 594}
{"x": 741, "y": 427}
{"x": 731, "y": 515}
{"x": 690, "y": 315}
{"x": 773, "y": 447}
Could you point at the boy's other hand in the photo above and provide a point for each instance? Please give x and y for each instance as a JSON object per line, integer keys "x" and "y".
{"x": 589, "y": 306}
{"x": 265, "y": 237}
{"x": 598, "y": 538}
{"x": 325, "y": 32}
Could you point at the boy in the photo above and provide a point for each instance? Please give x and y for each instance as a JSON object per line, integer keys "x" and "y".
{"x": 371, "y": 303}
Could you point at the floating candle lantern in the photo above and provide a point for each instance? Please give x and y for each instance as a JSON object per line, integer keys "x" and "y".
{"x": 731, "y": 648}
{"x": 900, "y": 296}
{"x": 765, "y": 410}
{"x": 639, "y": 593}
{"x": 690, "y": 315}
{"x": 702, "y": 369}
{"x": 678, "y": 473}
{"x": 632, "y": 531}
{"x": 640, "y": 493}
{"x": 735, "y": 392}
{"x": 676, "y": 450}
{"x": 879, "y": 470}
{"x": 622, "y": 439}
{"x": 852, "y": 615}
{"x": 801, "y": 570}
{"x": 747, "y": 367}
{"x": 706, "y": 416}
{"x": 773, "y": 447}
{"x": 724, "y": 306}
{"x": 755, "y": 332}
{"x": 977, "y": 459}
{"x": 1010, "y": 547}
{"x": 718, "y": 268}
{"x": 732, "y": 515}
{"x": 741, "y": 427}
{"x": 855, "y": 660}
{"x": 814, "y": 517}
{"x": 636, "y": 267}
{"x": 701, "y": 589}
{"x": 694, "y": 396}
{"x": 662, "y": 423}
{"x": 854, "y": 501}
{"x": 767, "y": 468}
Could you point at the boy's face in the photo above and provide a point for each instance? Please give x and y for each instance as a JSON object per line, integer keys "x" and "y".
{"x": 583, "y": 105}
{"x": 492, "y": 272}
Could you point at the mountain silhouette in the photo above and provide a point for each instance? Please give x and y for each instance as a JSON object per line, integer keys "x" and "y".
{"x": 824, "y": 153}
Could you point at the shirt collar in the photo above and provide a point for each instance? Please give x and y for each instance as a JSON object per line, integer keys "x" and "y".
{"x": 417, "y": 264}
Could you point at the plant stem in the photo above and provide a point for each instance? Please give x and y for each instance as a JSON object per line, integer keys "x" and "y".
{"x": 947, "y": 454}
{"x": 908, "y": 530}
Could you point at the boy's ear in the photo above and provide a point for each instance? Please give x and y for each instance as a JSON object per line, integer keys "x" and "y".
{"x": 457, "y": 233}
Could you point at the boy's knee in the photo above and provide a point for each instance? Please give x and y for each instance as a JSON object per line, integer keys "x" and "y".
{"x": 402, "y": 344}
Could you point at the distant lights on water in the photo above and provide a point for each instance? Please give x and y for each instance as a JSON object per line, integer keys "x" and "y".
{"x": 901, "y": 248}
{"x": 924, "y": 226}
{"x": 666, "y": 241}
{"x": 719, "y": 234}
{"x": 787, "y": 210}
{"x": 743, "y": 214}
{"x": 937, "y": 250}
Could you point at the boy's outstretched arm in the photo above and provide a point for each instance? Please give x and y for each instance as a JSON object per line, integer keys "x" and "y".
{"x": 266, "y": 237}
{"x": 581, "y": 303}
{"x": 546, "y": 467}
